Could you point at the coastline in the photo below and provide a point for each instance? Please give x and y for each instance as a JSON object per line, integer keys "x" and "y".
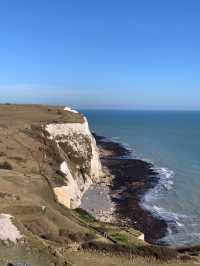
{"x": 120, "y": 196}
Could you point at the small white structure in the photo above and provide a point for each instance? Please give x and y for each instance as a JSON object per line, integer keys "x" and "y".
{"x": 141, "y": 237}
{"x": 69, "y": 109}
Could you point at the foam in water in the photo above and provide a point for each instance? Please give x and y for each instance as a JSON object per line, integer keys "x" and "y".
{"x": 165, "y": 176}
{"x": 174, "y": 220}
{"x": 166, "y": 181}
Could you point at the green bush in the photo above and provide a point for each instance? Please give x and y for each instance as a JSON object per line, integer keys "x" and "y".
{"x": 120, "y": 238}
{"x": 85, "y": 215}
{"x": 76, "y": 236}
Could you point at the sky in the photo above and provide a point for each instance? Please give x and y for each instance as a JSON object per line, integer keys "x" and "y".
{"x": 113, "y": 54}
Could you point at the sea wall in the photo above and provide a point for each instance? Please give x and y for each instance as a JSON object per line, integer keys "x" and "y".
{"x": 81, "y": 165}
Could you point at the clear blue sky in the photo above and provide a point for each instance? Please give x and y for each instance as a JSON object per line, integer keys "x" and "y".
{"x": 130, "y": 54}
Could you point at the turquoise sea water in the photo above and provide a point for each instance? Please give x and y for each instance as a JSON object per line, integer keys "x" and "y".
{"x": 171, "y": 140}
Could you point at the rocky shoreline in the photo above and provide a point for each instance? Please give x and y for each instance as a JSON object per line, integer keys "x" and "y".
{"x": 118, "y": 198}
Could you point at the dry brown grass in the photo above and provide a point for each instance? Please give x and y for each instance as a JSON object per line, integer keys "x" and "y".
{"x": 29, "y": 167}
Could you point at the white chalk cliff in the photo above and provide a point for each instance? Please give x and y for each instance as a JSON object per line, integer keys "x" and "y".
{"x": 81, "y": 164}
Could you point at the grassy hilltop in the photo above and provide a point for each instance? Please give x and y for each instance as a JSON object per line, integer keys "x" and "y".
{"x": 53, "y": 234}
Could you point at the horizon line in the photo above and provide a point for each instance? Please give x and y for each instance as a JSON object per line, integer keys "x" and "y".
{"x": 106, "y": 108}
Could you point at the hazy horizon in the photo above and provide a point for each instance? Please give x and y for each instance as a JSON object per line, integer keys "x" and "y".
{"x": 106, "y": 108}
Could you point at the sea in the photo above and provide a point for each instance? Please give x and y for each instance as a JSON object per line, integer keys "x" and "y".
{"x": 171, "y": 141}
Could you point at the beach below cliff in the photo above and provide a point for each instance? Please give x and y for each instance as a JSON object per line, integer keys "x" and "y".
{"x": 118, "y": 198}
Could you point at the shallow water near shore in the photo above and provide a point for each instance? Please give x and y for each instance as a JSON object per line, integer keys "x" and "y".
{"x": 171, "y": 141}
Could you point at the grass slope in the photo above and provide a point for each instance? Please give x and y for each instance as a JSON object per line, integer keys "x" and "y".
{"x": 53, "y": 234}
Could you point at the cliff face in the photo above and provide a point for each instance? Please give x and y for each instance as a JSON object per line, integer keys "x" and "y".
{"x": 81, "y": 164}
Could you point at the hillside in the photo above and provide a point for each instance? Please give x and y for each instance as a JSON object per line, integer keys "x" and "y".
{"x": 48, "y": 159}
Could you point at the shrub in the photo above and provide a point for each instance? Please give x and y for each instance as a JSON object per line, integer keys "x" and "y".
{"x": 35, "y": 171}
{"x": 18, "y": 159}
{"x": 6, "y": 165}
{"x": 120, "y": 238}
{"x": 160, "y": 253}
{"x": 85, "y": 215}
{"x": 59, "y": 180}
{"x": 76, "y": 236}
{"x": 59, "y": 112}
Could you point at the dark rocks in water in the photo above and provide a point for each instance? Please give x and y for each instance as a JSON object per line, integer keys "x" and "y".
{"x": 132, "y": 179}
{"x": 115, "y": 148}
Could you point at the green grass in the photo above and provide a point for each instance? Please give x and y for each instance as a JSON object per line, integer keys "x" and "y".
{"x": 84, "y": 215}
{"x": 120, "y": 238}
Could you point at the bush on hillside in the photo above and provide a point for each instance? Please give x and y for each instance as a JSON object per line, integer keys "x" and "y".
{"x": 6, "y": 166}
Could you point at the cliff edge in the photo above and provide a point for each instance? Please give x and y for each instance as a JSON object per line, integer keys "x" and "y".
{"x": 81, "y": 164}
{"x": 53, "y": 141}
